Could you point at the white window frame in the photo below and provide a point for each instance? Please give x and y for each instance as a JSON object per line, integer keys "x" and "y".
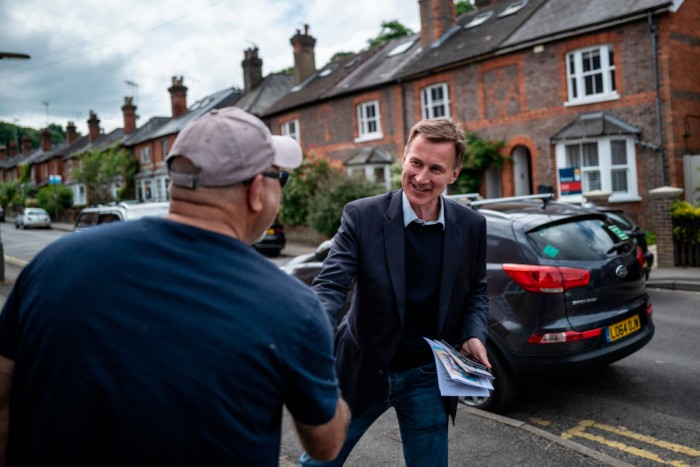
{"x": 162, "y": 184}
{"x": 146, "y": 155}
{"x": 367, "y": 173}
{"x": 365, "y": 122}
{"x": 291, "y": 129}
{"x": 576, "y": 78}
{"x": 79, "y": 194}
{"x": 142, "y": 189}
{"x": 430, "y": 104}
{"x": 605, "y": 167}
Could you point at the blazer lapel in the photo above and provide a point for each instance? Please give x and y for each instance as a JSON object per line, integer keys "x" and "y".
{"x": 451, "y": 252}
{"x": 395, "y": 254}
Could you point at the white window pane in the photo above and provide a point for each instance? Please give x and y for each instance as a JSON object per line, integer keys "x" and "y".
{"x": 618, "y": 151}
{"x": 590, "y": 154}
{"x": 573, "y": 155}
{"x": 591, "y": 180}
{"x": 619, "y": 180}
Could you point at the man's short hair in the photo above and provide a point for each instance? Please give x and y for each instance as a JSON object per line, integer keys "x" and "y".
{"x": 440, "y": 130}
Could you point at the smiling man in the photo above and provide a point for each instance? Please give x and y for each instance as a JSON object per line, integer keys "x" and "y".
{"x": 418, "y": 262}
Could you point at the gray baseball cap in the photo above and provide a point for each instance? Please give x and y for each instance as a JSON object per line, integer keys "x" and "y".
{"x": 229, "y": 146}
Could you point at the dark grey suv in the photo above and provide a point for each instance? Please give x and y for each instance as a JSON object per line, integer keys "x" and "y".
{"x": 567, "y": 292}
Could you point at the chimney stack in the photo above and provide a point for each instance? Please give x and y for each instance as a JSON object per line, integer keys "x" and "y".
{"x": 13, "y": 149}
{"x": 26, "y": 144}
{"x": 178, "y": 96}
{"x": 71, "y": 133}
{"x": 304, "y": 55}
{"x": 46, "y": 140}
{"x": 93, "y": 127}
{"x": 436, "y": 18}
{"x": 252, "y": 68}
{"x": 129, "y": 111}
{"x": 3, "y": 152}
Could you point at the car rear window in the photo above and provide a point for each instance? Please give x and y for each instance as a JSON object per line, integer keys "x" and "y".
{"x": 580, "y": 240}
{"x": 85, "y": 219}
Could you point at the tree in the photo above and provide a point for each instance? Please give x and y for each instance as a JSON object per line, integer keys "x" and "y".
{"x": 480, "y": 155}
{"x": 11, "y": 197}
{"x": 339, "y": 55}
{"x": 55, "y": 199}
{"x": 100, "y": 171}
{"x": 390, "y": 30}
{"x": 326, "y": 206}
{"x": 303, "y": 185}
{"x": 463, "y": 6}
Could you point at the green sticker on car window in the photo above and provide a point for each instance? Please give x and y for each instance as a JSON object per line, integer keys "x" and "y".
{"x": 550, "y": 251}
{"x": 618, "y": 231}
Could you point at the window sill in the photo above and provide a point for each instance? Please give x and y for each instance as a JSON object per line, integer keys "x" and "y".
{"x": 593, "y": 99}
{"x": 369, "y": 137}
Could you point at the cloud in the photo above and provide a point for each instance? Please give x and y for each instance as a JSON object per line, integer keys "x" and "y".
{"x": 83, "y": 52}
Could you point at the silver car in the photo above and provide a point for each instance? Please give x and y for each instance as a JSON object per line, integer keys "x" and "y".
{"x": 33, "y": 217}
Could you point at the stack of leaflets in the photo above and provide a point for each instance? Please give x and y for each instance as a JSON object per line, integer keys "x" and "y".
{"x": 458, "y": 375}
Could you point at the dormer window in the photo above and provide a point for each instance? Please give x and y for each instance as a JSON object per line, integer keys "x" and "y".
{"x": 513, "y": 8}
{"x": 478, "y": 19}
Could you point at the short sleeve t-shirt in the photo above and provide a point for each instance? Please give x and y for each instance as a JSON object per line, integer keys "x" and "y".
{"x": 156, "y": 343}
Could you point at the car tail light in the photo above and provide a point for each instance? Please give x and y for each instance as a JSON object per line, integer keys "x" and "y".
{"x": 560, "y": 337}
{"x": 640, "y": 257}
{"x": 547, "y": 279}
{"x": 649, "y": 309}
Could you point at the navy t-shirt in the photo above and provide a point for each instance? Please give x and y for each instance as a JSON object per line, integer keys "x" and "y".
{"x": 156, "y": 343}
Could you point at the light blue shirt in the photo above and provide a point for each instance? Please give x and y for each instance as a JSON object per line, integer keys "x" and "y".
{"x": 409, "y": 215}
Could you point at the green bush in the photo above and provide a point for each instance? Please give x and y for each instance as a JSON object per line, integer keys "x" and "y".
{"x": 326, "y": 207}
{"x": 302, "y": 187}
{"x": 62, "y": 201}
{"x": 689, "y": 217}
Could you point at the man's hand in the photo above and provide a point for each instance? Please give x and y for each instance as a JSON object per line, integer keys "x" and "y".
{"x": 474, "y": 349}
{"x": 323, "y": 442}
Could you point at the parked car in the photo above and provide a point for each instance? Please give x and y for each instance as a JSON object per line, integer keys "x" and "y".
{"x": 273, "y": 242}
{"x": 117, "y": 212}
{"x": 33, "y": 217}
{"x": 567, "y": 292}
{"x": 630, "y": 228}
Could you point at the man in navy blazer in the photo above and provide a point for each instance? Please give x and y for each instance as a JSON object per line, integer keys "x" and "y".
{"x": 417, "y": 262}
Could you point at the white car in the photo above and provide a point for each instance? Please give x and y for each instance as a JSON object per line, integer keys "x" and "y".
{"x": 33, "y": 217}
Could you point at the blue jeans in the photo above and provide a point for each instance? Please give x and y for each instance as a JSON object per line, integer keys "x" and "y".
{"x": 415, "y": 396}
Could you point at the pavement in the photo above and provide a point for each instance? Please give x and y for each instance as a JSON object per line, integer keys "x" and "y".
{"x": 477, "y": 437}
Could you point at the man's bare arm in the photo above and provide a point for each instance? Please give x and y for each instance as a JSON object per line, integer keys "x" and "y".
{"x": 323, "y": 442}
{"x": 6, "y": 368}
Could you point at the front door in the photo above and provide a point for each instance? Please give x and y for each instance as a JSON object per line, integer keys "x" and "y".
{"x": 521, "y": 171}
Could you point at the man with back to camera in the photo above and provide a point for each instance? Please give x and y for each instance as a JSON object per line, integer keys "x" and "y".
{"x": 171, "y": 341}
{"x": 419, "y": 265}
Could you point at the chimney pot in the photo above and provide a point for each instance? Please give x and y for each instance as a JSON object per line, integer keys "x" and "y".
{"x": 93, "y": 127}
{"x": 252, "y": 69}
{"x": 129, "y": 112}
{"x": 71, "y": 133}
{"x": 46, "y": 140}
{"x": 436, "y": 18}
{"x": 178, "y": 96}
{"x": 26, "y": 144}
{"x": 304, "y": 55}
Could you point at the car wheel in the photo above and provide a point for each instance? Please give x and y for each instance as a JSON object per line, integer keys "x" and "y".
{"x": 24, "y": 226}
{"x": 504, "y": 388}
{"x": 16, "y": 226}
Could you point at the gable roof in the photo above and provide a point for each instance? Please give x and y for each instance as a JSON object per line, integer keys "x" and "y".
{"x": 565, "y": 17}
{"x": 265, "y": 94}
{"x": 595, "y": 125}
{"x": 464, "y": 42}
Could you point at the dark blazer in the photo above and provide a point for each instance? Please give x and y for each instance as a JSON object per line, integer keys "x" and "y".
{"x": 369, "y": 248}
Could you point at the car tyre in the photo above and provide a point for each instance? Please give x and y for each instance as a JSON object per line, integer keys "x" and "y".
{"x": 504, "y": 388}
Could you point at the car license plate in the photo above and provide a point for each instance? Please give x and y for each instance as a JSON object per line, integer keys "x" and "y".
{"x": 623, "y": 328}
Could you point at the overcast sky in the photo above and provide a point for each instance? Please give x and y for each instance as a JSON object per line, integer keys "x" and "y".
{"x": 83, "y": 51}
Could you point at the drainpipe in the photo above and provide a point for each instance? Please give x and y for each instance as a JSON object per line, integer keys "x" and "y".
{"x": 655, "y": 55}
